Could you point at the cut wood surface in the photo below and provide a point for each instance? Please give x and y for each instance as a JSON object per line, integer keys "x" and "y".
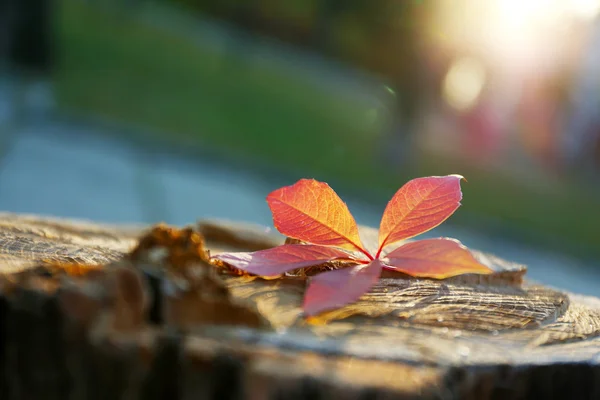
{"x": 98, "y": 311}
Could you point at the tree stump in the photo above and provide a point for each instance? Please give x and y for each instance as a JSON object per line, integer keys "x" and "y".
{"x": 90, "y": 311}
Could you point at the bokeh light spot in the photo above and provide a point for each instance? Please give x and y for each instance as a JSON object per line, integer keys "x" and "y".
{"x": 463, "y": 83}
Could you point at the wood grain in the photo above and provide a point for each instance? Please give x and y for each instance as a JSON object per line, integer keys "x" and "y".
{"x": 128, "y": 328}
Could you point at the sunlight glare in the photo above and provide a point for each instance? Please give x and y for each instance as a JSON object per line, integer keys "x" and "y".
{"x": 517, "y": 14}
{"x": 586, "y": 9}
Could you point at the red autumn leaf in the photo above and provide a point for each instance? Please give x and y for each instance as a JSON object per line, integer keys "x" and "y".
{"x": 434, "y": 258}
{"x": 281, "y": 259}
{"x": 312, "y": 212}
{"x": 334, "y": 289}
{"x": 419, "y": 205}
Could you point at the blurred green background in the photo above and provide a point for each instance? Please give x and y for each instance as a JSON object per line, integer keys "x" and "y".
{"x": 363, "y": 95}
{"x": 154, "y": 64}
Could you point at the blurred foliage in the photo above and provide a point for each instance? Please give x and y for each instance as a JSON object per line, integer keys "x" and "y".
{"x": 378, "y": 36}
{"x": 130, "y": 70}
{"x": 136, "y": 72}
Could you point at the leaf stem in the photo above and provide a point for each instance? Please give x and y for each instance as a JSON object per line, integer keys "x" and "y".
{"x": 365, "y": 252}
{"x": 379, "y": 252}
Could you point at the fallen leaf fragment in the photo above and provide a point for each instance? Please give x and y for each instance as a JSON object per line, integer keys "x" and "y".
{"x": 171, "y": 247}
{"x": 281, "y": 259}
{"x": 193, "y": 291}
{"x": 434, "y": 258}
{"x": 334, "y": 289}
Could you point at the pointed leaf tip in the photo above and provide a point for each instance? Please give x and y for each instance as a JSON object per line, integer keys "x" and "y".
{"x": 435, "y": 258}
{"x": 462, "y": 178}
{"x": 281, "y": 259}
{"x": 418, "y": 206}
{"x": 334, "y": 289}
{"x": 311, "y": 211}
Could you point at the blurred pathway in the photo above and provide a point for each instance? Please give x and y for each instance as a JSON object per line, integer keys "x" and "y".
{"x": 78, "y": 172}
{"x": 83, "y": 172}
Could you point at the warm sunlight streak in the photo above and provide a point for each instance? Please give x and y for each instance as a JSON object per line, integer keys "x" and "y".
{"x": 514, "y": 36}
{"x": 586, "y": 9}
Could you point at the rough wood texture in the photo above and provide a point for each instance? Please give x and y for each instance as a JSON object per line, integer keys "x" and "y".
{"x": 82, "y": 319}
